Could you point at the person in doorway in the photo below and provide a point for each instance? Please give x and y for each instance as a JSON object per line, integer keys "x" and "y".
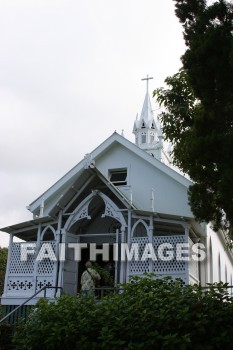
{"x": 89, "y": 279}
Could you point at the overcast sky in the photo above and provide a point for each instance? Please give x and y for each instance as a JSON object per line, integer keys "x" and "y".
{"x": 70, "y": 75}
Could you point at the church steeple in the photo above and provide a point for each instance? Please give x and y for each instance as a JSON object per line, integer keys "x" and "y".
{"x": 148, "y": 135}
{"x": 147, "y": 113}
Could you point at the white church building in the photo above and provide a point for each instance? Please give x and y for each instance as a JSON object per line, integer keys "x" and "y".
{"x": 121, "y": 194}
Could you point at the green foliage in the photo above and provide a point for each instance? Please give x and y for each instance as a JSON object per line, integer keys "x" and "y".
{"x": 6, "y": 332}
{"x": 199, "y": 109}
{"x": 1, "y": 311}
{"x": 149, "y": 314}
{"x": 106, "y": 278}
{"x": 3, "y": 262}
{"x": 179, "y": 101}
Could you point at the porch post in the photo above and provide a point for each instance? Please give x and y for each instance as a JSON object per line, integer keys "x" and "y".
{"x": 117, "y": 263}
{"x": 57, "y": 253}
{"x": 61, "y": 262}
{"x": 129, "y": 244}
{"x": 36, "y": 262}
{"x": 186, "y": 227}
{"x": 150, "y": 234}
{"x": 123, "y": 264}
{"x": 8, "y": 265}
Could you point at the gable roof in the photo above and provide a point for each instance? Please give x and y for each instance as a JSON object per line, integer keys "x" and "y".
{"x": 87, "y": 180}
{"x": 69, "y": 178}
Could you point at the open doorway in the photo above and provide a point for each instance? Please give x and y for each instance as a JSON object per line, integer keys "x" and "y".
{"x": 106, "y": 269}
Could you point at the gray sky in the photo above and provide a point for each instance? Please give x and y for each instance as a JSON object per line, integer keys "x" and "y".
{"x": 70, "y": 75}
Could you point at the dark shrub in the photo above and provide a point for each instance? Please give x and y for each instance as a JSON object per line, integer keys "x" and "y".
{"x": 149, "y": 314}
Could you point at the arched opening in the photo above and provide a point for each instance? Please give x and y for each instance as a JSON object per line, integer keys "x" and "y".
{"x": 48, "y": 234}
{"x": 219, "y": 268}
{"x": 143, "y": 137}
{"x": 96, "y": 224}
{"x": 211, "y": 262}
{"x": 139, "y": 229}
{"x": 225, "y": 273}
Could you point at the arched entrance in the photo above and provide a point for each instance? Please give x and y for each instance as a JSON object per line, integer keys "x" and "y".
{"x": 96, "y": 225}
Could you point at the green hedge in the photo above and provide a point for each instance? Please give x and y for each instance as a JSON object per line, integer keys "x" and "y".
{"x": 149, "y": 314}
{"x": 6, "y": 333}
{"x": 3, "y": 261}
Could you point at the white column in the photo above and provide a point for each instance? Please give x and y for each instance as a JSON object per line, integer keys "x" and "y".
{"x": 57, "y": 238}
{"x": 61, "y": 264}
{"x": 123, "y": 265}
{"x": 203, "y": 265}
{"x": 117, "y": 263}
{"x": 151, "y": 241}
{"x": 129, "y": 243}
{"x": 186, "y": 227}
{"x": 37, "y": 251}
{"x": 8, "y": 264}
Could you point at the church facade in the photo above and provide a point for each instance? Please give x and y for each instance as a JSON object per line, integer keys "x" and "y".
{"x": 125, "y": 203}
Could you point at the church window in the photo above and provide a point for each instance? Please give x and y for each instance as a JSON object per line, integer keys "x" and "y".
{"x": 211, "y": 261}
{"x": 152, "y": 138}
{"x": 118, "y": 177}
{"x": 143, "y": 138}
{"x": 219, "y": 268}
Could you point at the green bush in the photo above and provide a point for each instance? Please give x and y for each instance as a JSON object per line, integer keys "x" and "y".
{"x": 1, "y": 311}
{"x": 149, "y": 314}
{"x": 6, "y": 332}
{"x": 3, "y": 262}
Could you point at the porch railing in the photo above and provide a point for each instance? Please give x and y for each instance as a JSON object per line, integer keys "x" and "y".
{"x": 17, "y": 309}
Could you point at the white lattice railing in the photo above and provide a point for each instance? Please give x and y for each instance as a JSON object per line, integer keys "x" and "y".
{"x": 138, "y": 267}
{"x": 26, "y": 277}
{"x": 174, "y": 267}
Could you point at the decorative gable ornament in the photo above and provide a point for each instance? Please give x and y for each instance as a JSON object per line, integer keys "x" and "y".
{"x": 88, "y": 161}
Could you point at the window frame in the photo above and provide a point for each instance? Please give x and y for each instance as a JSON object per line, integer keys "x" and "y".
{"x": 118, "y": 171}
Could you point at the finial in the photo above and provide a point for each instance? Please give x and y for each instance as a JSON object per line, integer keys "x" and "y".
{"x": 88, "y": 161}
{"x": 147, "y": 81}
{"x": 122, "y": 133}
{"x": 41, "y": 208}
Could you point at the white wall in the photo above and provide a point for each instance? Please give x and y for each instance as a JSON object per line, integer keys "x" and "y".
{"x": 170, "y": 195}
{"x": 220, "y": 261}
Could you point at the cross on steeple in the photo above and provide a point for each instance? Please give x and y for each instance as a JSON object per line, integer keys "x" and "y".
{"x": 147, "y": 81}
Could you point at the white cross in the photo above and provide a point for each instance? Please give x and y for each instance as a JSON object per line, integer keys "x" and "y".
{"x": 147, "y": 81}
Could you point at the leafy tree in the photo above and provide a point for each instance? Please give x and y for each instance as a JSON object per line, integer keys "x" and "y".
{"x": 198, "y": 116}
{"x": 149, "y": 314}
{"x": 3, "y": 262}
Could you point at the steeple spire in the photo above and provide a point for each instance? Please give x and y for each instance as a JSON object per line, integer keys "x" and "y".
{"x": 148, "y": 135}
{"x": 146, "y": 113}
